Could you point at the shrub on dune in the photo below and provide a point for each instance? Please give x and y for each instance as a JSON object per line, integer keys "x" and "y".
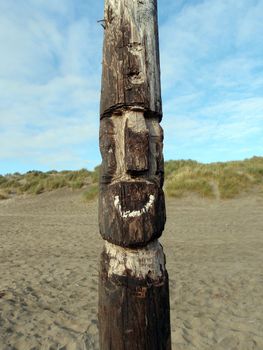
{"x": 221, "y": 180}
{"x": 91, "y": 192}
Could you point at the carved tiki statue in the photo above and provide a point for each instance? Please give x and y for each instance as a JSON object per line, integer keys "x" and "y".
{"x": 132, "y": 208}
{"x": 133, "y": 291}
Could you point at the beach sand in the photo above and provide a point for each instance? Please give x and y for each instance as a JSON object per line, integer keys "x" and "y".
{"x": 49, "y": 253}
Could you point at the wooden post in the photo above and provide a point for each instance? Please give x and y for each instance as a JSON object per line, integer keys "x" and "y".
{"x": 134, "y": 312}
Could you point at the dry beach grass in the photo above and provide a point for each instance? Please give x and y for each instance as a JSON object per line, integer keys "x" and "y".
{"x": 49, "y": 251}
{"x": 215, "y": 180}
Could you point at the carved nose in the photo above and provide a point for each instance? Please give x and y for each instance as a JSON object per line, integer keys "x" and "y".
{"x": 136, "y": 144}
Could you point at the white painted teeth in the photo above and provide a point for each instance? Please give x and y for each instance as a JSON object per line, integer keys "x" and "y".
{"x": 133, "y": 213}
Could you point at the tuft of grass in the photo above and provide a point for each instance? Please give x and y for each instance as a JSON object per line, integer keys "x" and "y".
{"x": 231, "y": 183}
{"x": 221, "y": 180}
{"x": 36, "y": 182}
{"x": 91, "y": 193}
{"x": 96, "y": 174}
{"x": 172, "y": 166}
{"x": 178, "y": 186}
{"x": 3, "y": 196}
{"x": 77, "y": 184}
{"x": 230, "y": 178}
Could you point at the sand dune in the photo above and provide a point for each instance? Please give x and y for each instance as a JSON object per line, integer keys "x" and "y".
{"x": 49, "y": 251}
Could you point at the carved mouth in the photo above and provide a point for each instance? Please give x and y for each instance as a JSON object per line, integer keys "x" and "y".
{"x": 133, "y": 213}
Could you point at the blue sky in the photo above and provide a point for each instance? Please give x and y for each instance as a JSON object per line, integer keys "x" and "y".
{"x": 50, "y": 68}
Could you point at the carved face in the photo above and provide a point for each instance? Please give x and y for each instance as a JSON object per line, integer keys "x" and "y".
{"x": 132, "y": 209}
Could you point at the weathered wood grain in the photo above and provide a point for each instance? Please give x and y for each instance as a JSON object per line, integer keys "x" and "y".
{"x": 133, "y": 308}
{"x": 136, "y": 144}
{"x": 131, "y": 67}
{"x": 131, "y": 145}
{"x": 132, "y": 213}
{"x": 108, "y": 150}
{"x": 134, "y": 290}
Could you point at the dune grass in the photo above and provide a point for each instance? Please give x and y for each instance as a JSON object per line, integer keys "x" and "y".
{"x": 36, "y": 182}
{"x": 215, "y": 180}
{"x": 91, "y": 192}
{"x": 3, "y": 195}
{"x": 221, "y": 180}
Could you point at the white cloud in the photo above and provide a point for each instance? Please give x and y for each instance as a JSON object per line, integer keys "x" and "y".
{"x": 212, "y": 76}
{"x": 49, "y": 82}
{"x": 50, "y": 64}
{"x": 204, "y": 36}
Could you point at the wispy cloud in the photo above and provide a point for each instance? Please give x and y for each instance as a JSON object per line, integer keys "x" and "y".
{"x": 49, "y": 83}
{"x": 50, "y": 64}
{"x": 212, "y": 80}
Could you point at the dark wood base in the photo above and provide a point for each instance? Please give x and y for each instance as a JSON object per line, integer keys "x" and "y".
{"x": 134, "y": 313}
